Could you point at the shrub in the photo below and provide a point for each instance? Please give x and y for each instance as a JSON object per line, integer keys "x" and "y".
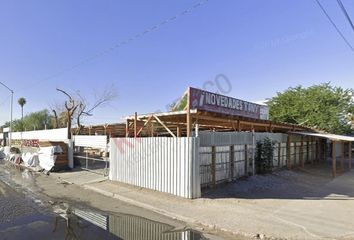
{"x": 264, "y": 155}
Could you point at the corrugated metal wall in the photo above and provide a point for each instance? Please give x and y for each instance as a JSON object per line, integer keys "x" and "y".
{"x": 164, "y": 164}
{"x": 208, "y": 139}
{"x": 90, "y": 141}
{"x": 239, "y": 145}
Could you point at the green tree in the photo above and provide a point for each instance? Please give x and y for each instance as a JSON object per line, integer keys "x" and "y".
{"x": 320, "y": 106}
{"x": 36, "y": 120}
{"x": 21, "y": 101}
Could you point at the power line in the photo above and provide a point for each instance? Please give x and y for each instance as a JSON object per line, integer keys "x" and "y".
{"x": 5, "y": 100}
{"x": 124, "y": 42}
{"x": 334, "y": 25}
{"x": 345, "y": 13}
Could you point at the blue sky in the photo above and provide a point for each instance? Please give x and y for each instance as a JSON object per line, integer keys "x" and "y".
{"x": 261, "y": 47}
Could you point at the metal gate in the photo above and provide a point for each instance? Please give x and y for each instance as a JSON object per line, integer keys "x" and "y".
{"x": 91, "y": 153}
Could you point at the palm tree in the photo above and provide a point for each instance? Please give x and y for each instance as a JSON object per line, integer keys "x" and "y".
{"x": 22, "y": 101}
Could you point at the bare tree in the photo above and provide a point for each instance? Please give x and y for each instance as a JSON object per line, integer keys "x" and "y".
{"x": 86, "y": 110}
{"x": 70, "y": 105}
{"x": 77, "y": 107}
{"x": 57, "y": 109}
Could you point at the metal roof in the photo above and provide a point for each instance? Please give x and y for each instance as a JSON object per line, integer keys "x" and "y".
{"x": 332, "y": 137}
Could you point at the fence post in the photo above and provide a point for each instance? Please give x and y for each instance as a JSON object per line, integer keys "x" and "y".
{"x": 70, "y": 153}
{"x": 213, "y": 166}
{"x": 342, "y": 157}
{"x": 232, "y": 163}
{"x": 334, "y": 159}
{"x": 350, "y": 155}
{"x": 86, "y": 160}
{"x": 288, "y": 156}
{"x": 279, "y": 154}
{"x": 302, "y": 152}
{"x": 317, "y": 150}
{"x": 307, "y": 150}
{"x": 246, "y": 160}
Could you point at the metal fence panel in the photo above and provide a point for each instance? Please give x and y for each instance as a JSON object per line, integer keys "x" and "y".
{"x": 99, "y": 142}
{"x": 208, "y": 139}
{"x": 160, "y": 163}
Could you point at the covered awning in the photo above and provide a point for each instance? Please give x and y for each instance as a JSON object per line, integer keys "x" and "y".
{"x": 335, "y": 138}
{"x": 332, "y": 137}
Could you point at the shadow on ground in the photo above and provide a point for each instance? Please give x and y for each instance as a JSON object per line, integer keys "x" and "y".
{"x": 312, "y": 182}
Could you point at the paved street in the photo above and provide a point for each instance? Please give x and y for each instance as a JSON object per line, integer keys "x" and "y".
{"x": 28, "y": 211}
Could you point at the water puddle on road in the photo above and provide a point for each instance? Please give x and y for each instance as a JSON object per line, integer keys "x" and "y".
{"x": 25, "y": 216}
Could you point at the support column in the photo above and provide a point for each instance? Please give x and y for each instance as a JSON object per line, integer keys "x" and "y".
{"x": 342, "y": 157}
{"x": 189, "y": 120}
{"x": 127, "y": 128}
{"x": 307, "y": 150}
{"x": 213, "y": 166}
{"x": 152, "y": 129}
{"x": 316, "y": 150}
{"x": 288, "y": 152}
{"x": 302, "y": 152}
{"x": 246, "y": 160}
{"x": 135, "y": 124}
{"x": 232, "y": 162}
{"x": 279, "y": 154}
{"x": 334, "y": 160}
{"x": 178, "y": 131}
{"x": 350, "y": 155}
{"x": 312, "y": 150}
{"x": 295, "y": 154}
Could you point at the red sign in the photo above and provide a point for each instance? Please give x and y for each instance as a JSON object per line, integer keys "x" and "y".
{"x": 213, "y": 102}
{"x": 26, "y": 142}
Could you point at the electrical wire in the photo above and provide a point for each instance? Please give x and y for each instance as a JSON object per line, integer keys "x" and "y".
{"x": 5, "y": 100}
{"x": 345, "y": 13}
{"x": 121, "y": 43}
{"x": 334, "y": 25}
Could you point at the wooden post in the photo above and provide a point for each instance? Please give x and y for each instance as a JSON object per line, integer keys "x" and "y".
{"x": 288, "y": 151}
{"x": 307, "y": 150}
{"x": 127, "y": 128}
{"x": 238, "y": 126}
{"x": 334, "y": 160}
{"x": 317, "y": 150}
{"x": 152, "y": 129}
{"x": 302, "y": 152}
{"x": 295, "y": 154}
{"x": 279, "y": 154}
{"x": 178, "y": 131}
{"x": 232, "y": 161}
{"x": 246, "y": 160}
{"x": 320, "y": 152}
{"x": 135, "y": 124}
{"x": 342, "y": 157}
{"x": 350, "y": 155}
{"x": 213, "y": 166}
{"x": 312, "y": 150}
{"x": 189, "y": 120}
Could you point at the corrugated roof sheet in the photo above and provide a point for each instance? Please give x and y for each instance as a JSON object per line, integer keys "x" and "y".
{"x": 333, "y": 137}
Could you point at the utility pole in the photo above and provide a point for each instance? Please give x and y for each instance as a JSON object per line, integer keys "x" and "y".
{"x": 11, "y": 111}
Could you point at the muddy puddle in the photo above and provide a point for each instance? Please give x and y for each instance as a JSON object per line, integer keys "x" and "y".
{"x": 26, "y": 215}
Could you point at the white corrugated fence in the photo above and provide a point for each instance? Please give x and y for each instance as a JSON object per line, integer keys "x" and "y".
{"x": 164, "y": 164}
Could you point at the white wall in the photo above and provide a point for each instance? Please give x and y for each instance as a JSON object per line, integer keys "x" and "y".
{"x": 90, "y": 141}
{"x": 164, "y": 164}
{"x": 51, "y": 134}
